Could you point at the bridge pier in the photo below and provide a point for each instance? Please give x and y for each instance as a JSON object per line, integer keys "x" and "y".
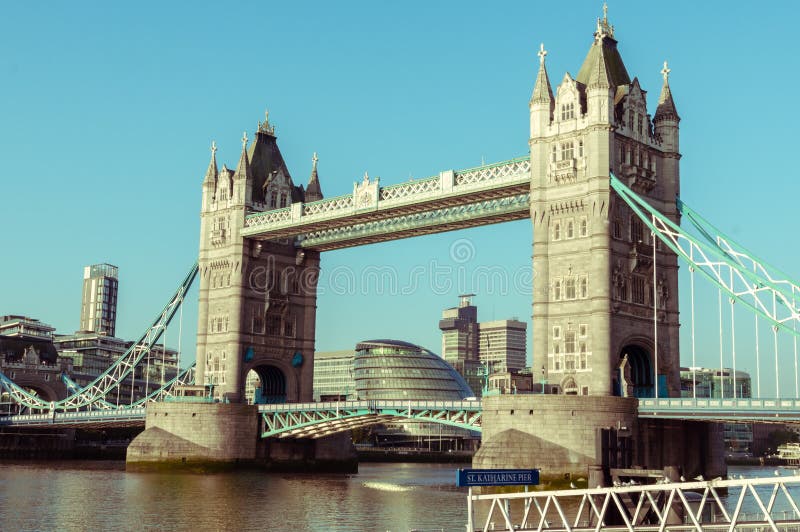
{"x": 201, "y": 436}
{"x": 592, "y": 438}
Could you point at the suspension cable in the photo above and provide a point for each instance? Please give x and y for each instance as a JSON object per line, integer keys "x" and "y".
{"x": 655, "y": 306}
{"x": 794, "y": 339}
{"x": 775, "y": 341}
{"x": 694, "y": 359}
{"x": 180, "y": 337}
{"x": 721, "y": 364}
{"x": 733, "y": 348}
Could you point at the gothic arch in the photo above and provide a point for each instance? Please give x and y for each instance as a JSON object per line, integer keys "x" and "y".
{"x": 569, "y": 386}
{"x": 635, "y": 369}
{"x": 278, "y": 382}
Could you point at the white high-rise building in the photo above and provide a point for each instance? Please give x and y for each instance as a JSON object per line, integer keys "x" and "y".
{"x": 99, "y": 300}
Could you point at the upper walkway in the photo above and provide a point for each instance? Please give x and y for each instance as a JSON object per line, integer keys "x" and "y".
{"x": 454, "y": 199}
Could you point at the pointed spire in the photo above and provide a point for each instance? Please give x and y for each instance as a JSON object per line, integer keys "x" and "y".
{"x": 612, "y": 71}
{"x": 542, "y": 92}
{"x": 313, "y": 191}
{"x": 212, "y": 172}
{"x": 666, "y": 105}
{"x": 243, "y": 168}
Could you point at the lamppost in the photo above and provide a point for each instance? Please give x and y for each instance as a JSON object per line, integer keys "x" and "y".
{"x": 544, "y": 380}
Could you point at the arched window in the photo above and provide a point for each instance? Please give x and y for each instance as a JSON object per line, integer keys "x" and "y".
{"x": 557, "y": 290}
{"x": 584, "y": 288}
{"x": 570, "y": 229}
{"x": 554, "y": 153}
{"x": 580, "y": 148}
{"x": 584, "y": 228}
{"x": 557, "y": 231}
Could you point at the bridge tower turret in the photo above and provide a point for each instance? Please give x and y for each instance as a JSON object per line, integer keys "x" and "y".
{"x": 594, "y": 287}
{"x": 257, "y": 298}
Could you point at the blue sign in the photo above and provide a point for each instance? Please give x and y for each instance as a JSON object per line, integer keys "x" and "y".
{"x": 497, "y": 477}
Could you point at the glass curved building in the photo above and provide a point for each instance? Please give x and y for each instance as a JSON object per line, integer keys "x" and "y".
{"x": 397, "y": 370}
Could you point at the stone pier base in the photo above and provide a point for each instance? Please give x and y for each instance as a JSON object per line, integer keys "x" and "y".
{"x": 588, "y": 438}
{"x": 207, "y": 437}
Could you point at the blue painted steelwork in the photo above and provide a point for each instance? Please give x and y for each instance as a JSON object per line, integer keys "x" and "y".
{"x": 111, "y": 378}
{"x": 117, "y": 418}
{"x": 315, "y": 420}
{"x": 185, "y": 377}
{"x": 727, "y": 267}
{"x": 765, "y": 410}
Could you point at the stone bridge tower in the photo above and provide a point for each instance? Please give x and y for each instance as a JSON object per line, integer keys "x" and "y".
{"x": 594, "y": 289}
{"x": 257, "y": 299}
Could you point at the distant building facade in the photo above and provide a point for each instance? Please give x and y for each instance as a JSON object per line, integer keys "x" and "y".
{"x": 333, "y": 376}
{"x": 99, "y": 299}
{"x": 502, "y": 345}
{"x": 719, "y": 383}
{"x": 478, "y": 349}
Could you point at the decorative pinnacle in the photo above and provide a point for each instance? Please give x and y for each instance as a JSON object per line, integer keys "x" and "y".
{"x": 665, "y": 72}
{"x": 314, "y": 159}
{"x": 265, "y": 127}
{"x": 244, "y": 140}
{"x": 542, "y": 53}
{"x": 604, "y": 29}
{"x": 213, "y": 147}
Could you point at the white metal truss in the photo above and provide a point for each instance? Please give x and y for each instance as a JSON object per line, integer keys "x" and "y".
{"x": 116, "y": 374}
{"x": 731, "y": 269}
{"x": 315, "y": 420}
{"x": 695, "y": 505}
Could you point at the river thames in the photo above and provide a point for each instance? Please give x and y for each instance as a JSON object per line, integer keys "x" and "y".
{"x": 67, "y": 496}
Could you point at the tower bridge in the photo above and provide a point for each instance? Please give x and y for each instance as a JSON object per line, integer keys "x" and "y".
{"x": 599, "y": 185}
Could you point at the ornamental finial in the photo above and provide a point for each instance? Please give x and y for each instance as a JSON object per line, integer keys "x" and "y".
{"x": 605, "y": 12}
{"x": 244, "y": 140}
{"x": 264, "y": 127}
{"x": 665, "y": 72}
{"x": 213, "y": 148}
{"x": 542, "y": 53}
{"x": 314, "y": 159}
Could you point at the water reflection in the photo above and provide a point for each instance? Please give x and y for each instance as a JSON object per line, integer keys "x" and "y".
{"x": 394, "y": 497}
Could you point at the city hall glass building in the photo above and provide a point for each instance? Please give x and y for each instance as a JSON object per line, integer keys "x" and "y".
{"x": 396, "y": 370}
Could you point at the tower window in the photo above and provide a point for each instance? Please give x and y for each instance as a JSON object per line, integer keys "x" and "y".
{"x": 583, "y": 227}
{"x": 567, "y": 111}
{"x": 556, "y": 334}
{"x": 584, "y": 288}
{"x": 569, "y": 289}
{"x": 283, "y": 201}
{"x": 567, "y": 150}
{"x": 570, "y": 229}
{"x": 556, "y": 293}
{"x": 554, "y": 153}
{"x": 637, "y": 289}
{"x": 273, "y": 199}
{"x": 557, "y": 231}
{"x": 580, "y": 148}
{"x": 569, "y": 342}
{"x": 636, "y": 229}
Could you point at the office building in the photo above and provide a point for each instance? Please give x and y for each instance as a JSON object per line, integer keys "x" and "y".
{"x": 99, "y": 300}
{"x": 502, "y": 345}
{"x": 333, "y": 376}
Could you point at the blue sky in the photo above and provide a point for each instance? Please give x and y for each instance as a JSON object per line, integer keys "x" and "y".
{"x": 108, "y": 111}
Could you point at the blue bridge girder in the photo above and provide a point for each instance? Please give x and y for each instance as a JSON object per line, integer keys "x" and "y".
{"x": 731, "y": 409}
{"x": 316, "y": 420}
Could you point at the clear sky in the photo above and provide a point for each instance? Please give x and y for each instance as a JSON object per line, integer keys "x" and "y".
{"x": 108, "y": 110}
